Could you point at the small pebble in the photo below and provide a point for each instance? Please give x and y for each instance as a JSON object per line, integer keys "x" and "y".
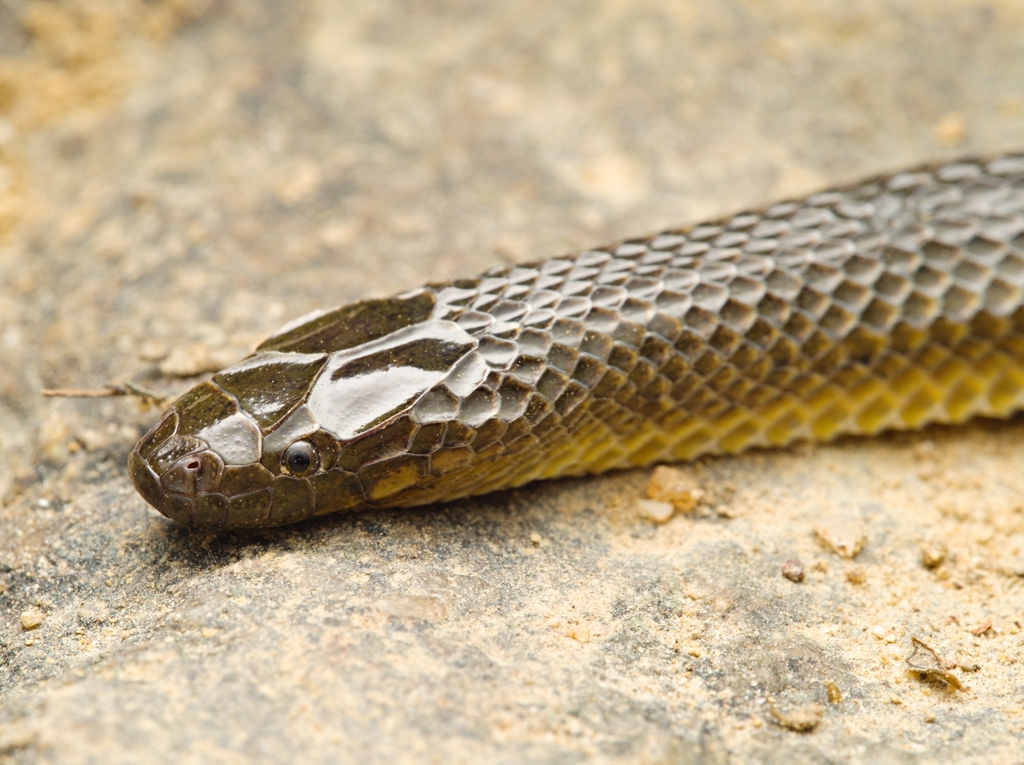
{"x": 193, "y": 360}
{"x": 951, "y": 129}
{"x": 845, "y": 539}
{"x": 152, "y": 350}
{"x": 793, "y": 570}
{"x": 93, "y": 612}
{"x": 675, "y": 486}
{"x": 856, "y": 575}
{"x": 653, "y": 510}
{"x": 933, "y": 554}
{"x": 31, "y": 619}
{"x": 579, "y": 632}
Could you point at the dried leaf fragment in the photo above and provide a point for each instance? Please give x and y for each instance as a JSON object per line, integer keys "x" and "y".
{"x": 982, "y": 628}
{"x": 802, "y": 719}
{"x": 937, "y": 672}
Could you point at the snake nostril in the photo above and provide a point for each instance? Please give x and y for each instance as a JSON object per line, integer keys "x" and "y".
{"x": 173, "y": 450}
{"x": 194, "y": 474}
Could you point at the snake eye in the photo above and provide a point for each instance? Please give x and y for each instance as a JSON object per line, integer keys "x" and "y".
{"x": 300, "y": 459}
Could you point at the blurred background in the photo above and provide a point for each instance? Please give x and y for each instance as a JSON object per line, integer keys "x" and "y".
{"x": 180, "y": 177}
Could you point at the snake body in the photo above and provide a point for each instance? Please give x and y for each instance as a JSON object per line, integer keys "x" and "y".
{"x": 891, "y": 303}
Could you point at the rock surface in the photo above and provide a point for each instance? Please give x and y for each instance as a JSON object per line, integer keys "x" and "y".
{"x": 178, "y": 178}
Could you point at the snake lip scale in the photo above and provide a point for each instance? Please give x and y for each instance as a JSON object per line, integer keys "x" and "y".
{"x": 890, "y": 303}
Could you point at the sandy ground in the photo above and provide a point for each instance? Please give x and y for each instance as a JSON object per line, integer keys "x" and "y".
{"x": 178, "y": 178}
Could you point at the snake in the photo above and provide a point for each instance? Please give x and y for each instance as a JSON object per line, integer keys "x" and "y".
{"x": 887, "y": 304}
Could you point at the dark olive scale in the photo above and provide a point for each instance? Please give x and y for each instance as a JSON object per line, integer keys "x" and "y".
{"x": 891, "y": 303}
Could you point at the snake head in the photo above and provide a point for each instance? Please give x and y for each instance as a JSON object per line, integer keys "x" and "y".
{"x": 294, "y": 431}
{"x": 234, "y": 452}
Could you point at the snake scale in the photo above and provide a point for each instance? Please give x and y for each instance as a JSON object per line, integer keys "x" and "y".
{"x": 890, "y": 303}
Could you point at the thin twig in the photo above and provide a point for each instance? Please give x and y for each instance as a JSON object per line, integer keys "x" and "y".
{"x": 128, "y": 389}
